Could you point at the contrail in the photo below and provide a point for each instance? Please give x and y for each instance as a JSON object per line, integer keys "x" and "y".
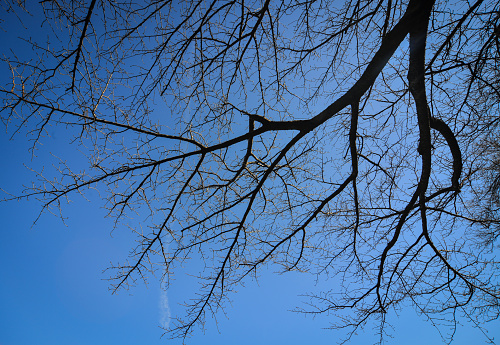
{"x": 164, "y": 306}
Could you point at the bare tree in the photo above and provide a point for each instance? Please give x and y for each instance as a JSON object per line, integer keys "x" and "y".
{"x": 344, "y": 139}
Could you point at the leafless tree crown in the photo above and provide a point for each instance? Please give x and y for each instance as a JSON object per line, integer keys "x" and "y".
{"x": 355, "y": 140}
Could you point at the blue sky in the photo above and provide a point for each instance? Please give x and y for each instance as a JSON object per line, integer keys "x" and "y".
{"x": 53, "y": 289}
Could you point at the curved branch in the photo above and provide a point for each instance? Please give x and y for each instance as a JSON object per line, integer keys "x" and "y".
{"x": 441, "y": 126}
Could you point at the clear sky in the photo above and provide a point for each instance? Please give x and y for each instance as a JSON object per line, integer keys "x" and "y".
{"x": 53, "y": 289}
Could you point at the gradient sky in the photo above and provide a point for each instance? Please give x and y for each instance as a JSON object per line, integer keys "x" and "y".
{"x": 53, "y": 288}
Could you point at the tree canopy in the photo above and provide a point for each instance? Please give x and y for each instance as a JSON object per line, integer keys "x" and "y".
{"x": 352, "y": 140}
